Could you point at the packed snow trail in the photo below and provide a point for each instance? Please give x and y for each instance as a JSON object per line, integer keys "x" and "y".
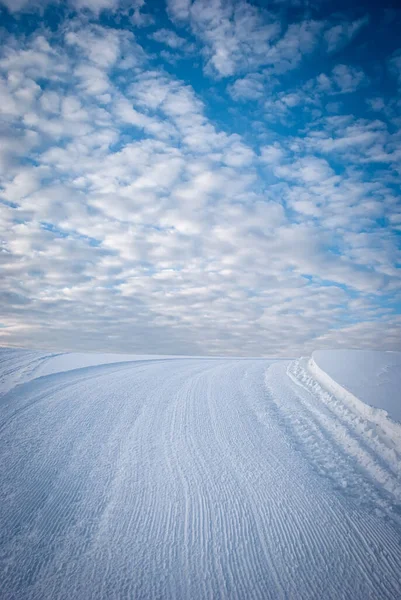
{"x": 188, "y": 479}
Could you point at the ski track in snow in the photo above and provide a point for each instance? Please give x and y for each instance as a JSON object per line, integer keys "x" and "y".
{"x": 193, "y": 479}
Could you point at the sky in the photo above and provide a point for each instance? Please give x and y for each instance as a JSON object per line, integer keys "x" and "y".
{"x": 207, "y": 177}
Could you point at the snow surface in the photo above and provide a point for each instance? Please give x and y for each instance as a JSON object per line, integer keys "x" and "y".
{"x": 20, "y": 366}
{"x": 372, "y": 376}
{"x": 191, "y": 479}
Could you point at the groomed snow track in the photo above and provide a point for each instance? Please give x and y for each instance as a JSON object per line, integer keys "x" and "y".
{"x": 193, "y": 479}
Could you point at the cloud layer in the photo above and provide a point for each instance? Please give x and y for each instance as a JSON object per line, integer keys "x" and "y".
{"x": 198, "y": 178}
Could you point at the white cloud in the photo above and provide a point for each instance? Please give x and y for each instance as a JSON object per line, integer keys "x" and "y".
{"x": 347, "y": 79}
{"x": 250, "y": 87}
{"x": 104, "y": 47}
{"x": 395, "y": 65}
{"x": 308, "y": 169}
{"x": 15, "y": 6}
{"x": 377, "y": 104}
{"x": 122, "y": 197}
{"x": 234, "y": 34}
{"x": 343, "y": 79}
{"x": 299, "y": 39}
{"x": 367, "y": 334}
{"x": 169, "y": 38}
{"x": 272, "y": 154}
{"x": 95, "y": 6}
{"x": 357, "y": 140}
{"x": 179, "y": 9}
{"x": 341, "y": 34}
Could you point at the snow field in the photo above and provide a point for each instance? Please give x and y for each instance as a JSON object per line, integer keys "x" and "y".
{"x": 192, "y": 478}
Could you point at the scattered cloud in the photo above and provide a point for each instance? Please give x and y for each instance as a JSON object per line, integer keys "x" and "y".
{"x": 250, "y": 87}
{"x": 238, "y": 36}
{"x": 342, "y": 80}
{"x": 96, "y": 6}
{"x": 169, "y": 38}
{"x": 395, "y": 65}
{"x": 341, "y": 34}
{"x": 15, "y": 6}
{"x": 144, "y": 207}
{"x": 179, "y": 9}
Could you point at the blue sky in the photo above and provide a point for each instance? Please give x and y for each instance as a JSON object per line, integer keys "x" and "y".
{"x": 206, "y": 177}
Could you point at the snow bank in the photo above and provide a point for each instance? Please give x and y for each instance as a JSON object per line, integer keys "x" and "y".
{"x": 19, "y": 366}
{"x": 364, "y": 431}
{"x": 367, "y": 383}
{"x": 370, "y": 380}
{"x": 79, "y": 360}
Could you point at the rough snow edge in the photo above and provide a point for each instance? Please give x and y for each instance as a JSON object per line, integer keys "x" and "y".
{"x": 372, "y": 449}
{"x": 376, "y": 416}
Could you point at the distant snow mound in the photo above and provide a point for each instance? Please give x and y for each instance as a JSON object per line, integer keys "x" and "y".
{"x": 373, "y": 377}
{"x": 18, "y": 366}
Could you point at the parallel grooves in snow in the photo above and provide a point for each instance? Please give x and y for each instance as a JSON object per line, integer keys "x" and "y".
{"x": 183, "y": 479}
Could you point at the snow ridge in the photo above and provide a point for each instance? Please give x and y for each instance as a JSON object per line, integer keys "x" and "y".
{"x": 377, "y": 416}
{"x": 18, "y": 366}
{"x": 364, "y": 432}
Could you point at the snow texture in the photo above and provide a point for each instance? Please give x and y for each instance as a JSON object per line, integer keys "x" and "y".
{"x": 191, "y": 479}
{"x": 19, "y": 366}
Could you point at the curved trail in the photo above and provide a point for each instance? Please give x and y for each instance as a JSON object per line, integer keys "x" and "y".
{"x": 187, "y": 479}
